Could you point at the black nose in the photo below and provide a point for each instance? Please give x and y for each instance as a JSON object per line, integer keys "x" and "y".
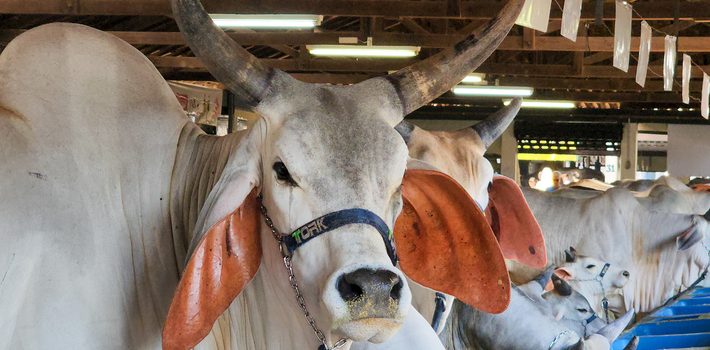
{"x": 626, "y": 273}
{"x": 377, "y": 285}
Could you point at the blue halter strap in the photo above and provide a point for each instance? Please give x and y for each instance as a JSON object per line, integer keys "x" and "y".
{"x": 334, "y": 220}
{"x": 439, "y": 308}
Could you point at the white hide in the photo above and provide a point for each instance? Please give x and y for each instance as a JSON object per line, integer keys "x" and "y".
{"x": 584, "y": 276}
{"x": 416, "y": 333}
{"x": 615, "y": 227}
{"x": 88, "y": 137}
{"x": 105, "y": 182}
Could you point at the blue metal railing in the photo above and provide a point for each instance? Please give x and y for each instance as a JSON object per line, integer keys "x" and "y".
{"x": 680, "y": 325}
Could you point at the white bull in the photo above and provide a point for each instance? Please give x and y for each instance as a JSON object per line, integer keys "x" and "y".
{"x": 107, "y": 190}
{"x": 509, "y": 216}
{"x": 666, "y": 194}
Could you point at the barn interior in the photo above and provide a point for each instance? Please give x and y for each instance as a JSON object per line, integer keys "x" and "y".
{"x": 584, "y": 122}
{"x": 612, "y": 121}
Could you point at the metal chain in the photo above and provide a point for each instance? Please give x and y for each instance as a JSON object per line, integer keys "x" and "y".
{"x": 605, "y": 301}
{"x": 294, "y": 283}
{"x": 557, "y": 338}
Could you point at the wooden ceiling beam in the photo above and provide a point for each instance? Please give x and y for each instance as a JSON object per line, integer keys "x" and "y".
{"x": 611, "y": 85}
{"x": 375, "y": 65}
{"x": 655, "y": 10}
{"x": 511, "y": 43}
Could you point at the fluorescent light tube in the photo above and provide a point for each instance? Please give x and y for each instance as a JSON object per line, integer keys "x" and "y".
{"x": 504, "y": 91}
{"x": 267, "y": 21}
{"x": 362, "y": 51}
{"x": 545, "y": 104}
{"x": 473, "y": 78}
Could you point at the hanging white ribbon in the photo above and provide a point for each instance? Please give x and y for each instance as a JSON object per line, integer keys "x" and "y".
{"x": 571, "y": 13}
{"x": 535, "y": 14}
{"x": 686, "y": 78}
{"x": 669, "y": 62}
{"x": 704, "y": 105}
{"x": 622, "y": 36}
{"x": 644, "y": 50}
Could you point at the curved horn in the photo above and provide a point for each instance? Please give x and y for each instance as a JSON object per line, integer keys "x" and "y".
{"x": 426, "y": 80}
{"x": 544, "y": 278}
{"x": 405, "y": 128}
{"x": 612, "y": 330}
{"x": 492, "y": 127}
{"x": 231, "y": 64}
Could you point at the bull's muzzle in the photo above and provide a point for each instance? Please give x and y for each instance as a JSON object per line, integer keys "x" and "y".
{"x": 371, "y": 293}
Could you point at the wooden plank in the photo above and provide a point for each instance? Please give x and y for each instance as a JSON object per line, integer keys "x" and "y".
{"x": 511, "y": 43}
{"x": 655, "y": 10}
{"x": 413, "y": 26}
{"x": 374, "y": 65}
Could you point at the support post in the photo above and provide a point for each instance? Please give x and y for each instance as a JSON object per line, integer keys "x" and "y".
{"x": 231, "y": 122}
{"x": 509, "y": 154}
{"x": 629, "y": 152}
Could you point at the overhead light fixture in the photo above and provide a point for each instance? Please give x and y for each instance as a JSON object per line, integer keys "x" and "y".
{"x": 545, "y": 104}
{"x": 267, "y": 21}
{"x": 548, "y": 157}
{"x": 362, "y": 51}
{"x": 474, "y": 78}
{"x": 503, "y": 91}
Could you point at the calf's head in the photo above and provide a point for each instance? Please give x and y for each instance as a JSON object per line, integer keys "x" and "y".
{"x": 588, "y": 269}
{"x": 320, "y": 150}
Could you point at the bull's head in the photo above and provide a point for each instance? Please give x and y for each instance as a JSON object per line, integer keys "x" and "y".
{"x": 320, "y": 149}
{"x": 460, "y": 154}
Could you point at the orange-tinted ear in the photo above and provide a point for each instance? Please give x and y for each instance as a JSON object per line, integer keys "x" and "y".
{"x": 702, "y": 188}
{"x": 444, "y": 242}
{"x": 512, "y": 221}
{"x": 564, "y": 273}
{"x": 223, "y": 263}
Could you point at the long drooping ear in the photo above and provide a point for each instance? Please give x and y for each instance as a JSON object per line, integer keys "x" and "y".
{"x": 564, "y": 273}
{"x": 512, "y": 221}
{"x": 444, "y": 242}
{"x": 560, "y": 273}
{"x": 225, "y": 252}
{"x": 688, "y": 238}
{"x": 222, "y": 264}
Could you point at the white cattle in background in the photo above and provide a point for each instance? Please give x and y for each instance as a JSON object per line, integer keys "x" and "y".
{"x": 612, "y": 226}
{"x": 663, "y": 194}
{"x": 601, "y": 282}
{"x": 112, "y": 202}
{"x": 529, "y": 324}
{"x": 658, "y": 248}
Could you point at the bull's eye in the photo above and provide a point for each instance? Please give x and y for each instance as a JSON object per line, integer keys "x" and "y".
{"x": 282, "y": 174}
{"x": 591, "y": 266}
{"x": 582, "y": 310}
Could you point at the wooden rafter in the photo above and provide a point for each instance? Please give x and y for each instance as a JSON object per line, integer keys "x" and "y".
{"x": 511, "y": 43}
{"x": 655, "y": 10}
